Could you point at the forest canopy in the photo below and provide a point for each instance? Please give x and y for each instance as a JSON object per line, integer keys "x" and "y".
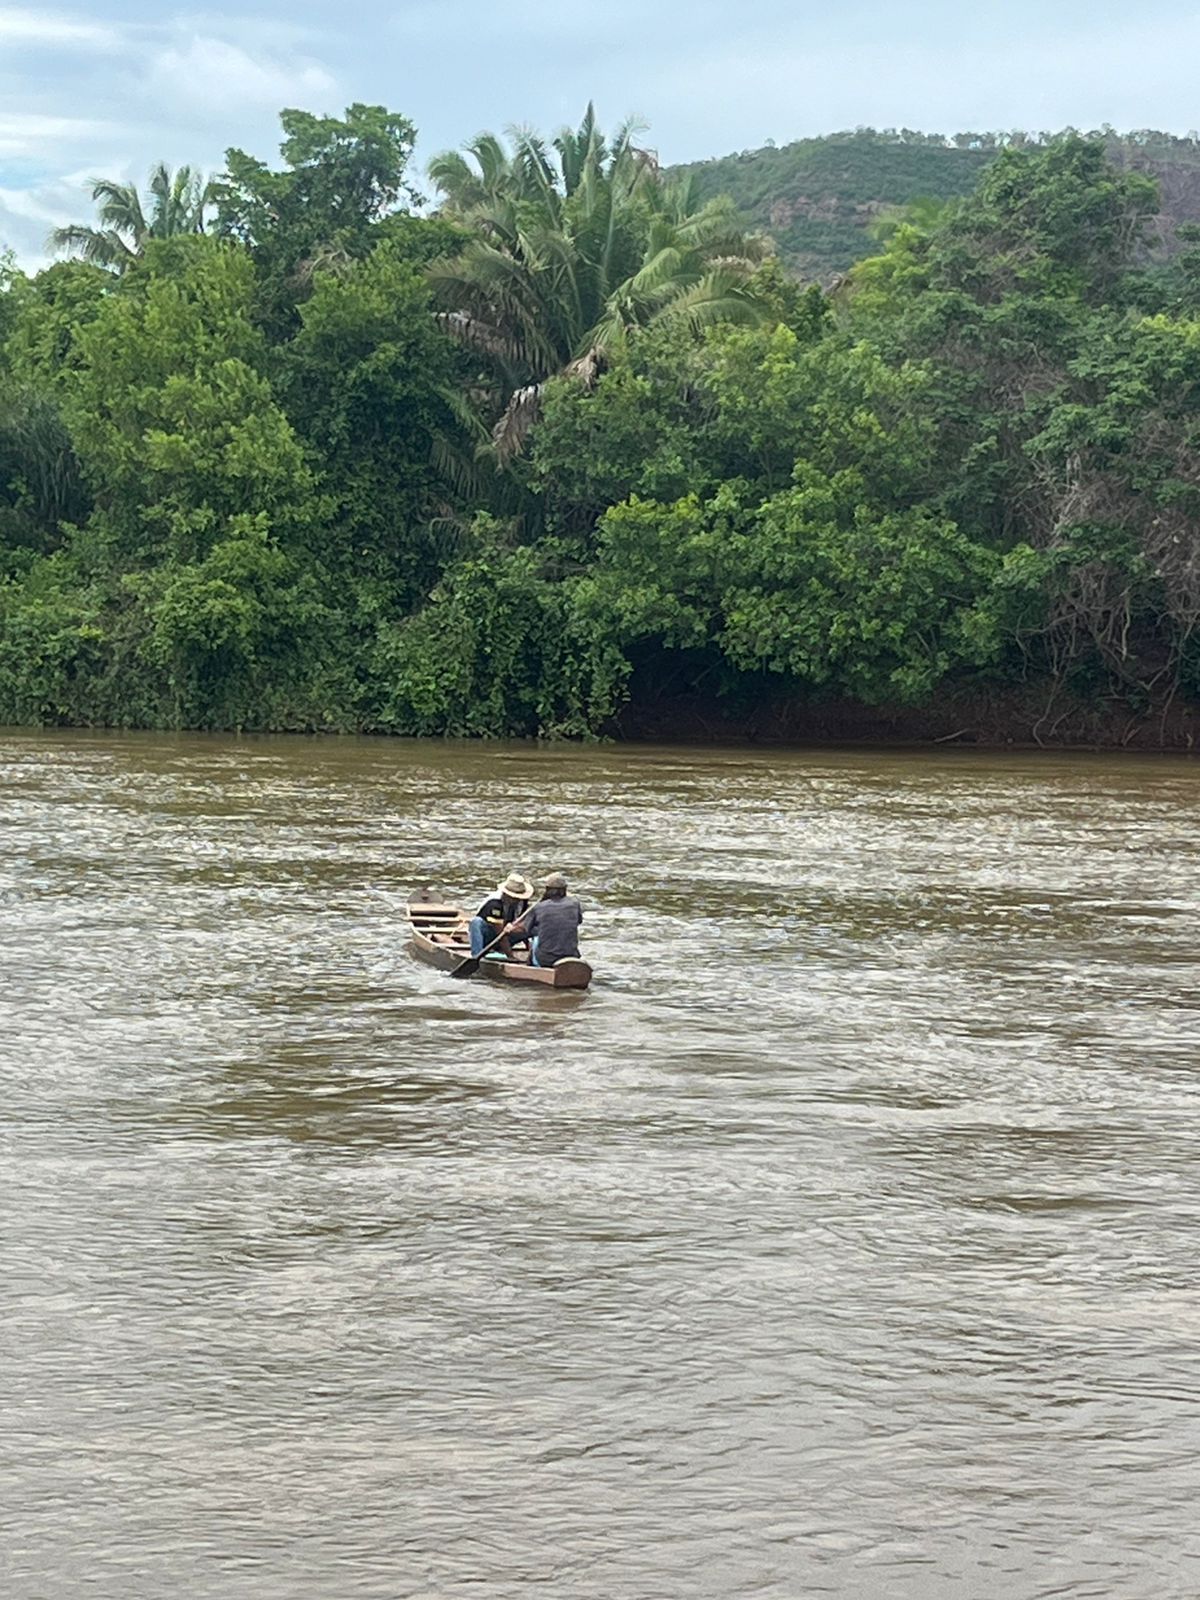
{"x": 284, "y": 448}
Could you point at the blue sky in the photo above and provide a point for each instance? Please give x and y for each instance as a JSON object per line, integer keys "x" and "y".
{"x": 111, "y": 87}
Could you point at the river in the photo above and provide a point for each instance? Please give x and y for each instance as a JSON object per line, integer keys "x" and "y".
{"x": 841, "y": 1240}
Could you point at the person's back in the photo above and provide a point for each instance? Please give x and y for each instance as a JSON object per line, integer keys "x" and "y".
{"x": 553, "y": 923}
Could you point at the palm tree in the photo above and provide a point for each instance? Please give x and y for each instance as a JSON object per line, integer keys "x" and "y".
{"x": 572, "y": 250}
{"x": 177, "y": 205}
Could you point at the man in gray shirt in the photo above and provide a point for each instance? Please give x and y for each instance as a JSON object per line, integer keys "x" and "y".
{"x": 552, "y": 923}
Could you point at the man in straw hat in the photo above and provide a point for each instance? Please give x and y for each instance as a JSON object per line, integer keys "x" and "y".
{"x": 498, "y": 911}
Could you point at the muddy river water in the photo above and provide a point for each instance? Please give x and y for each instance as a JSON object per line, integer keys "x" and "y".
{"x": 841, "y": 1240}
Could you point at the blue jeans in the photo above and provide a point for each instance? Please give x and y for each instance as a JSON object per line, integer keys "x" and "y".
{"x": 482, "y": 934}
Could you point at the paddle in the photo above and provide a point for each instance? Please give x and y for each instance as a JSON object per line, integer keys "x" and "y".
{"x": 469, "y": 967}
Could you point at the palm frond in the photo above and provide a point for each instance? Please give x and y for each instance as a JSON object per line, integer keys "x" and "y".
{"x": 178, "y": 206}
{"x": 494, "y": 164}
{"x": 665, "y": 266}
{"x": 536, "y": 179}
{"x": 102, "y": 247}
{"x": 119, "y": 207}
{"x": 479, "y": 335}
{"x": 460, "y": 471}
{"x": 717, "y": 298}
{"x": 457, "y": 181}
{"x": 587, "y": 368}
{"x": 463, "y": 407}
{"x": 523, "y": 410}
{"x": 609, "y": 332}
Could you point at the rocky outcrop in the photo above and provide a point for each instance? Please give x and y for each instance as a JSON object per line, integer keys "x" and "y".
{"x": 817, "y": 198}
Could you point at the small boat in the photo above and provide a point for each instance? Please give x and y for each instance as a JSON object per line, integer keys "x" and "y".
{"x": 441, "y": 937}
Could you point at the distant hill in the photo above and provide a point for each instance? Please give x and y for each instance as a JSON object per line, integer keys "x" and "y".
{"x": 817, "y": 198}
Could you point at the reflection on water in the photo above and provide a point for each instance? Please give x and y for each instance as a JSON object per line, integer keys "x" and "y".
{"x": 840, "y": 1241}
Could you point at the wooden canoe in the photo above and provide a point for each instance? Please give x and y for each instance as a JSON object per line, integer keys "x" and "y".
{"x": 440, "y": 936}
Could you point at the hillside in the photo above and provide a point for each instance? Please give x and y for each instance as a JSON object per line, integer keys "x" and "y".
{"x": 817, "y": 198}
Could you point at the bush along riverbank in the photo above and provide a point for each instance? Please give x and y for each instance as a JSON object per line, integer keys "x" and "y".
{"x": 286, "y": 453}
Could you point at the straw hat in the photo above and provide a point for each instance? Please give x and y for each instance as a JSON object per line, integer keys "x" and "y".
{"x": 516, "y": 887}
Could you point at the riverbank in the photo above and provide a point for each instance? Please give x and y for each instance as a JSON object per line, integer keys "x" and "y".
{"x": 992, "y": 718}
{"x": 1017, "y": 718}
{"x": 981, "y": 720}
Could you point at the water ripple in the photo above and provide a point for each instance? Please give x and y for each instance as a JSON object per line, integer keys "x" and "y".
{"x": 840, "y": 1241}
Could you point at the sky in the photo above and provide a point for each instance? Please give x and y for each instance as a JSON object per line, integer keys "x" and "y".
{"x": 110, "y": 88}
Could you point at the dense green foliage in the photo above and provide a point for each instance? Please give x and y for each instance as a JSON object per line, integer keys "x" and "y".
{"x": 572, "y": 440}
{"x": 822, "y": 200}
{"x": 569, "y": 254}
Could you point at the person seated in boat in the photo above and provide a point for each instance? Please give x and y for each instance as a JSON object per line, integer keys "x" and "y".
{"x": 499, "y": 913}
{"x": 552, "y": 924}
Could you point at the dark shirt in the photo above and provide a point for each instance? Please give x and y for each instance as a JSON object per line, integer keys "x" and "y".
{"x": 500, "y": 910}
{"x": 555, "y": 923}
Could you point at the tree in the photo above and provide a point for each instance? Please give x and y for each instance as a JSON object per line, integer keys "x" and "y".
{"x": 41, "y": 486}
{"x": 205, "y": 507}
{"x": 500, "y": 648}
{"x": 815, "y": 584}
{"x": 246, "y": 479}
{"x": 368, "y": 383}
{"x": 174, "y": 421}
{"x": 341, "y": 177}
{"x": 47, "y": 316}
{"x": 672, "y": 415}
{"x": 177, "y": 205}
{"x": 1118, "y": 462}
{"x": 40, "y": 482}
{"x": 1066, "y": 421}
{"x": 995, "y": 296}
{"x": 572, "y": 250}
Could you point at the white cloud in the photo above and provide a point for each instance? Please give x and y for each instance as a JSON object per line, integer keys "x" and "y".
{"x": 177, "y": 89}
{"x": 28, "y": 216}
{"x": 19, "y": 26}
{"x": 22, "y": 203}
{"x": 716, "y": 100}
{"x": 27, "y": 133}
{"x": 545, "y": 22}
{"x": 208, "y": 73}
{"x": 182, "y": 84}
{"x": 30, "y": 206}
